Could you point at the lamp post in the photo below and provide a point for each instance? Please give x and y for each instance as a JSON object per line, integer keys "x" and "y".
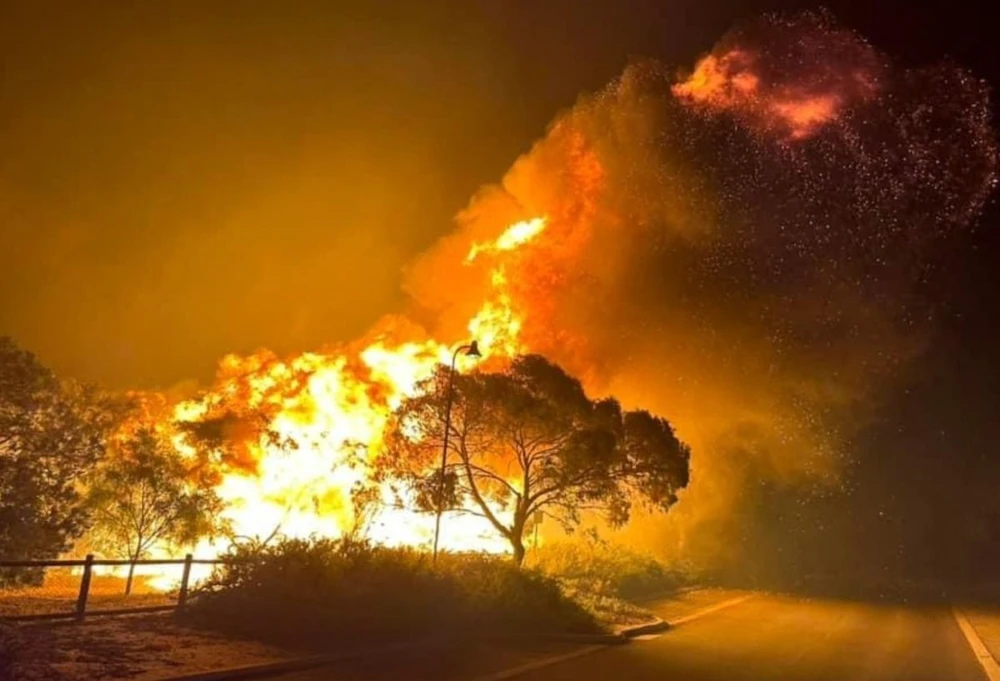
{"x": 471, "y": 350}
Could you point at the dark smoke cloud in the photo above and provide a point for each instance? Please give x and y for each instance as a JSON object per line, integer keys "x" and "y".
{"x": 752, "y": 281}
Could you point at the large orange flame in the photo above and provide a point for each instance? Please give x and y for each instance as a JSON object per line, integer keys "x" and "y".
{"x": 325, "y": 414}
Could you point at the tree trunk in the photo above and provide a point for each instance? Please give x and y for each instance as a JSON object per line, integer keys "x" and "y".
{"x": 519, "y": 550}
{"x": 128, "y": 582}
{"x": 516, "y": 535}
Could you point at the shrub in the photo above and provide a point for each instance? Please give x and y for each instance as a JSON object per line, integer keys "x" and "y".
{"x": 603, "y": 569}
{"x": 313, "y": 593}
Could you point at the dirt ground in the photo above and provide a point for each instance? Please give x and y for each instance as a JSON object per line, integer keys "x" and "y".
{"x": 149, "y": 647}
{"x": 134, "y": 647}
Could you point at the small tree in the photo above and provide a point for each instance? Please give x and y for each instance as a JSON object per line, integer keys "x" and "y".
{"x": 527, "y": 441}
{"x": 51, "y": 434}
{"x": 144, "y": 496}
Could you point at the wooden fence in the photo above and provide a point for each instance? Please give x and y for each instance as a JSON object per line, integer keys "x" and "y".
{"x": 80, "y": 611}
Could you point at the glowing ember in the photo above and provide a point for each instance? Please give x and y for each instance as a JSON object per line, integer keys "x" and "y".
{"x": 793, "y": 88}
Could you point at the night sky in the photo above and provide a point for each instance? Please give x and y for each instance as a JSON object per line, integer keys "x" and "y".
{"x": 182, "y": 181}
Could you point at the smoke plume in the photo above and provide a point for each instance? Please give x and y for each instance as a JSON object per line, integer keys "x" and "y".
{"x": 736, "y": 248}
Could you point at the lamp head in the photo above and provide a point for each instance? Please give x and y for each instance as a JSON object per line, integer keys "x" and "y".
{"x": 473, "y": 350}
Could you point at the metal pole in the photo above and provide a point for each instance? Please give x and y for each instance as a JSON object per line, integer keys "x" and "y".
{"x": 444, "y": 450}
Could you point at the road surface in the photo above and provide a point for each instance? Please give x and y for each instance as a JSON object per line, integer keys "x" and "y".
{"x": 765, "y": 637}
{"x": 771, "y": 637}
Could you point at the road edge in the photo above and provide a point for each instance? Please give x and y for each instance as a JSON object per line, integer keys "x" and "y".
{"x": 712, "y": 608}
{"x": 538, "y": 664}
{"x": 979, "y": 649}
{"x": 640, "y": 630}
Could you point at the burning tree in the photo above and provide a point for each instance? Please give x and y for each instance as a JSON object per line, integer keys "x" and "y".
{"x": 145, "y": 496}
{"x": 51, "y": 433}
{"x": 527, "y": 440}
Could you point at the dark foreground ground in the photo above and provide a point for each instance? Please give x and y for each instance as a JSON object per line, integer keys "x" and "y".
{"x": 719, "y": 634}
{"x": 765, "y": 637}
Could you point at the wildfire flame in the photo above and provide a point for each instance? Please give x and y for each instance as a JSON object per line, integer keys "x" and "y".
{"x": 698, "y": 215}
{"x": 512, "y": 237}
{"x": 326, "y": 413}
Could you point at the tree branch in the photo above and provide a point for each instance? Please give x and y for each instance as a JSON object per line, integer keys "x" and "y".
{"x": 500, "y": 527}
{"x": 486, "y": 473}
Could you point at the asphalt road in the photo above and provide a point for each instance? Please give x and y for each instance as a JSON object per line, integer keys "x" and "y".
{"x": 773, "y": 637}
{"x": 763, "y": 638}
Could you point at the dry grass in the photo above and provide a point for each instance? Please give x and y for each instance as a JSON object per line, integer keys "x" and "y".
{"x": 61, "y": 588}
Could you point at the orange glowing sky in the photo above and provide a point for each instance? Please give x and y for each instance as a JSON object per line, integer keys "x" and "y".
{"x": 177, "y": 185}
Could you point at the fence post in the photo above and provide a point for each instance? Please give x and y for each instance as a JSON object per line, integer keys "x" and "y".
{"x": 183, "y": 595}
{"x": 81, "y": 600}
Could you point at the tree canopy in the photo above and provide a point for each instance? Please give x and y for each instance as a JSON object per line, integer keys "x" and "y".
{"x": 51, "y": 434}
{"x": 145, "y": 495}
{"x": 526, "y": 441}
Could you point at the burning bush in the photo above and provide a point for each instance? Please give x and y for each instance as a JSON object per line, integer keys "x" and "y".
{"x": 319, "y": 592}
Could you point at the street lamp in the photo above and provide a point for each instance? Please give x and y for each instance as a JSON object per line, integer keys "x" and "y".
{"x": 471, "y": 350}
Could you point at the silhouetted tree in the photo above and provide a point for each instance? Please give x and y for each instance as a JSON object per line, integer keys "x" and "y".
{"x": 527, "y": 441}
{"x": 144, "y": 494}
{"x": 51, "y": 434}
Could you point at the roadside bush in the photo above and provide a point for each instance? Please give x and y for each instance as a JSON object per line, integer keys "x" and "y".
{"x": 316, "y": 593}
{"x": 602, "y": 569}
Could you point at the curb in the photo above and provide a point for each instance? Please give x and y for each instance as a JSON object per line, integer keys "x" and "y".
{"x": 537, "y": 664}
{"x": 654, "y": 627}
{"x": 622, "y": 637}
{"x": 618, "y": 638}
{"x": 596, "y": 639}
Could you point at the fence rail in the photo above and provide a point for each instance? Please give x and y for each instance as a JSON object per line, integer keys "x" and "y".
{"x": 80, "y": 611}
{"x": 107, "y": 562}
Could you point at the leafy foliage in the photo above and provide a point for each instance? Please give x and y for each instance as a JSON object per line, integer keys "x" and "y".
{"x": 144, "y": 495}
{"x": 315, "y": 593}
{"x": 51, "y": 434}
{"x": 527, "y": 441}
